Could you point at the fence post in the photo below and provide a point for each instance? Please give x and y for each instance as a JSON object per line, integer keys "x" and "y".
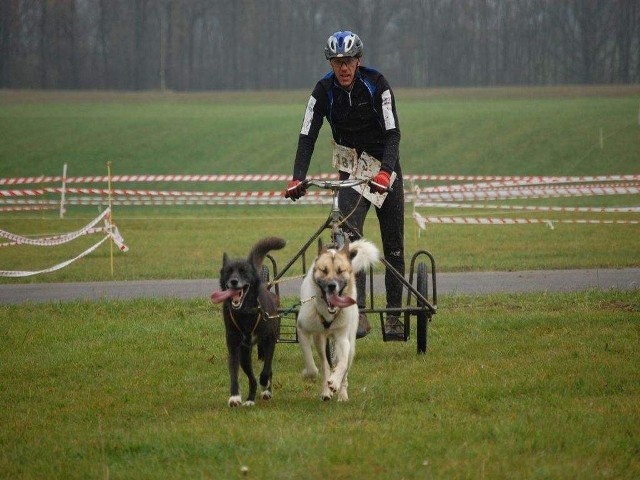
{"x": 63, "y": 190}
{"x": 110, "y": 214}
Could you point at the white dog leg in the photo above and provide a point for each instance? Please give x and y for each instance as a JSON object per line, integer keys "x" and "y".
{"x": 310, "y": 370}
{"x": 342, "y": 347}
{"x": 321, "y": 348}
{"x": 343, "y": 396}
{"x": 235, "y": 401}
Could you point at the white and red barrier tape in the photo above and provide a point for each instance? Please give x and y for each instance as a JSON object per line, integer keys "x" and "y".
{"x": 423, "y": 221}
{"x": 528, "y": 192}
{"x": 27, "y": 273}
{"x": 495, "y": 193}
{"x": 529, "y": 208}
{"x": 284, "y": 178}
{"x": 28, "y": 208}
{"x": 485, "y": 188}
{"x": 56, "y": 239}
{"x": 110, "y": 230}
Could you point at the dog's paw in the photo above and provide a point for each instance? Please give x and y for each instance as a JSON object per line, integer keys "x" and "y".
{"x": 267, "y": 395}
{"x": 343, "y": 396}
{"x": 310, "y": 374}
{"x": 248, "y": 403}
{"x": 333, "y": 384}
{"x": 326, "y": 393}
{"x": 235, "y": 401}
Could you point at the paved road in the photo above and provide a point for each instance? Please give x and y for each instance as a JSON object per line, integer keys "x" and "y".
{"x": 447, "y": 284}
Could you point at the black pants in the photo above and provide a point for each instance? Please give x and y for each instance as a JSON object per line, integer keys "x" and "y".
{"x": 391, "y": 220}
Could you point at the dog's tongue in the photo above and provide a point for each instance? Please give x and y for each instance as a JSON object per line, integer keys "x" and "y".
{"x": 221, "y": 296}
{"x": 338, "y": 301}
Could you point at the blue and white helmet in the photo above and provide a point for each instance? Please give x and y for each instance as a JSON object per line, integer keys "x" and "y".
{"x": 343, "y": 44}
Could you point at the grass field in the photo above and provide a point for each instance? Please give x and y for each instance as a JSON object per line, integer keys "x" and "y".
{"x": 552, "y": 131}
{"x": 508, "y": 131}
{"x": 540, "y": 386}
{"x": 514, "y": 386}
{"x": 188, "y": 243}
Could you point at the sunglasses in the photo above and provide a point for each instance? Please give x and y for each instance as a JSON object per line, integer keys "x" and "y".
{"x": 348, "y": 61}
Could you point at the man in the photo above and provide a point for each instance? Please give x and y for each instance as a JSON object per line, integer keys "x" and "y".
{"x": 359, "y": 105}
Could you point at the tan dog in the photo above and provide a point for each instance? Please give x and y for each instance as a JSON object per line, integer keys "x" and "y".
{"x": 331, "y": 312}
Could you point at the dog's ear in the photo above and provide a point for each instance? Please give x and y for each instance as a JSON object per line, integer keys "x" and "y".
{"x": 225, "y": 259}
{"x": 321, "y": 247}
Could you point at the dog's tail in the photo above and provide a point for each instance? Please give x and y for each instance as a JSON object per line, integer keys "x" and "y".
{"x": 363, "y": 254}
{"x": 264, "y": 246}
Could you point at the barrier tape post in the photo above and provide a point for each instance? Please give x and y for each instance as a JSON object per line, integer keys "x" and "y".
{"x": 63, "y": 190}
{"x": 111, "y": 213}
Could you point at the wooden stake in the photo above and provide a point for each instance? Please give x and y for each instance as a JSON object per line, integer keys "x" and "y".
{"x": 63, "y": 190}
{"x": 110, "y": 213}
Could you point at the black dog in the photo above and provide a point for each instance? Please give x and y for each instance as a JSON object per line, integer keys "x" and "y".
{"x": 250, "y": 316}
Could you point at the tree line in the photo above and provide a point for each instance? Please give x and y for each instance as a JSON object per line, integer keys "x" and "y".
{"x": 275, "y": 44}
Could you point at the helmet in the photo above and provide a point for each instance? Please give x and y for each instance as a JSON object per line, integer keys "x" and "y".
{"x": 343, "y": 44}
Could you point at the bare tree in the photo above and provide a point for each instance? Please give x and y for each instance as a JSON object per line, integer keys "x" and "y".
{"x": 251, "y": 44}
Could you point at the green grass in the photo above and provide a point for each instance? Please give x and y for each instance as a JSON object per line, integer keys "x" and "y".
{"x": 513, "y": 386}
{"x": 499, "y": 131}
{"x": 541, "y": 131}
{"x": 466, "y": 131}
{"x": 189, "y": 242}
{"x": 147, "y": 137}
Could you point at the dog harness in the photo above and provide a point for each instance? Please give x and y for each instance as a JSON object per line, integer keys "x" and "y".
{"x": 235, "y": 323}
{"x": 261, "y": 314}
{"x": 326, "y": 324}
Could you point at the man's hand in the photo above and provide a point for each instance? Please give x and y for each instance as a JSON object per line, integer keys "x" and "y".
{"x": 295, "y": 190}
{"x": 380, "y": 183}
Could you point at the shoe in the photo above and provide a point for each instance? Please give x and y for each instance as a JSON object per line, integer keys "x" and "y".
{"x": 393, "y": 329}
{"x": 363, "y": 326}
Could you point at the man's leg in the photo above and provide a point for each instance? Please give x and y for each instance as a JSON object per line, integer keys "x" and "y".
{"x": 354, "y": 208}
{"x": 391, "y": 219}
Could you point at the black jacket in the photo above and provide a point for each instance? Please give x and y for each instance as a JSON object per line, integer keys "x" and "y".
{"x": 364, "y": 119}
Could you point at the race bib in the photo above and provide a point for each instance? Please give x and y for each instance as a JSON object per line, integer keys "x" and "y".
{"x": 365, "y": 166}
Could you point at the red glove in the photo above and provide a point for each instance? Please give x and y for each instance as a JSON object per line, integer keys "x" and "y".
{"x": 380, "y": 183}
{"x": 295, "y": 190}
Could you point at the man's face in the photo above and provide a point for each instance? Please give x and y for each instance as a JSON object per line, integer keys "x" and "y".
{"x": 345, "y": 69}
